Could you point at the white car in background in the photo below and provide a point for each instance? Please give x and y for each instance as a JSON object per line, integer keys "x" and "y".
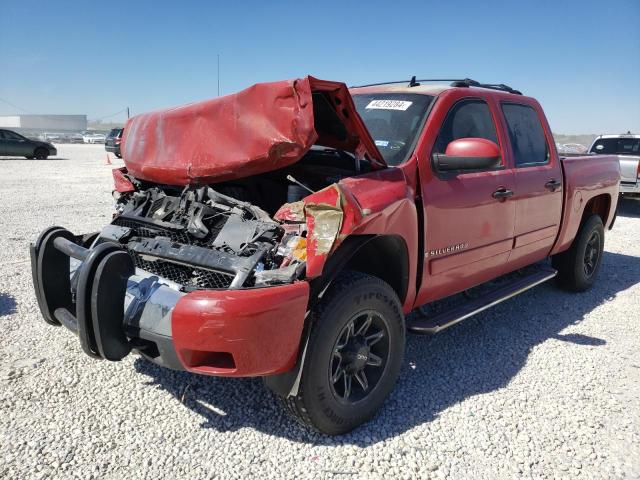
{"x": 94, "y": 137}
{"x": 572, "y": 148}
{"x": 627, "y": 148}
{"x": 50, "y": 137}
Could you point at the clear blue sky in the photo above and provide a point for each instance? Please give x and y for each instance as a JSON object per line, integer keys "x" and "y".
{"x": 581, "y": 59}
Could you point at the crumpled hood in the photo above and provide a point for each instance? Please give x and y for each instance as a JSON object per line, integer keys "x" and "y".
{"x": 262, "y": 128}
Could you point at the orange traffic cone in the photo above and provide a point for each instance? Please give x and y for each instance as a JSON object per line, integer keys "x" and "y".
{"x": 108, "y": 162}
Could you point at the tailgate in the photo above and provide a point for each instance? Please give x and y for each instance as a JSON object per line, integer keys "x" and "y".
{"x": 628, "y": 168}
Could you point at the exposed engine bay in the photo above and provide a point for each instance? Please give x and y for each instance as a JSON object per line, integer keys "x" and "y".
{"x": 205, "y": 237}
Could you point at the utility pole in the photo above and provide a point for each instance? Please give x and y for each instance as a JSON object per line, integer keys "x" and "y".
{"x": 218, "y": 74}
{"x": 127, "y": 112}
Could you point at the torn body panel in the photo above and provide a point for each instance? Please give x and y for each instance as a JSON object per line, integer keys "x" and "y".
{"x": 121, "y": 183}
{"x": 260, "y": 129}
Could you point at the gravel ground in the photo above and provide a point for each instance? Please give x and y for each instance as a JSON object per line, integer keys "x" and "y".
{"x": 546, "y": 385}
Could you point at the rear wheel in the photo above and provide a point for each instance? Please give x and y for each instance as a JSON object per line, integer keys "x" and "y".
{"x": 41, "y": 153}
{"x": 354, "y": 355}
{"x": 578, "y": 267}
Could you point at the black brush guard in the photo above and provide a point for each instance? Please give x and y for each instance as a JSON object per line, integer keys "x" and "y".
{"x": 91, "y": 304}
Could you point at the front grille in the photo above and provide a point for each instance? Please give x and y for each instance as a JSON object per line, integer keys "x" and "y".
{"x": 148, "y": 231}
{"x": 182, "y": 274}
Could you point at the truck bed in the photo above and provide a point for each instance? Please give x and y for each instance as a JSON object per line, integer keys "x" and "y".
{"x": 586, "y": 177}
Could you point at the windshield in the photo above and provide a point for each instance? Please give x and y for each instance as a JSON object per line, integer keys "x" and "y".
{"x": 393, "y": 120}
{"x": 617, "y": 146}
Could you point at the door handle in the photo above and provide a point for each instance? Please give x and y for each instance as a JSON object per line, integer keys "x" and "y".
{"x": 552, "y": 185}
{"x": 502, "y": 193}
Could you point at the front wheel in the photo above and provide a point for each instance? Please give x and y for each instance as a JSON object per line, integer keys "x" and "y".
{"x": 41, "y": 153}
{"x": 354, "y": 355}
{"x": 578, "y": 267}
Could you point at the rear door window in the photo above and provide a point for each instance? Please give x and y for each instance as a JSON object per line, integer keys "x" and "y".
{"x": 526, "y": 135}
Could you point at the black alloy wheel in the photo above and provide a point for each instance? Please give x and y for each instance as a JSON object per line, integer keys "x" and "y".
{"x": 592, "y": 254}
{"x": 360, "y": 355}
{"x": 578, "y": 266}
{"x": 353, "y": 357}
{"x": 41, "y": 153}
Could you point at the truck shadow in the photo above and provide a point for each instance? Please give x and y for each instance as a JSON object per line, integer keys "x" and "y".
{"x": 480, "y": 355}
{"x": 629, "y": 207}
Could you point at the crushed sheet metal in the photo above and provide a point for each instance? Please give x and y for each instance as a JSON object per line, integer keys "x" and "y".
{"x": 323, "y": 214}
{"x": 262, "y": 128}
{"x": 291, "y": 212}
{"x": 327, "y": 221}
{"x": 120, "y": 182}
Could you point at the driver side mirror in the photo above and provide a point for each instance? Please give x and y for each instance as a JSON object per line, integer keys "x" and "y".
{"x": 468, "y": 154}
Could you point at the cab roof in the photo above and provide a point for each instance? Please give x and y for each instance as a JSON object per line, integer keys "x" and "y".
{"x": 429, "y": 87}
{"x": 422, "y": 89}
{"x": 619, "y": 135}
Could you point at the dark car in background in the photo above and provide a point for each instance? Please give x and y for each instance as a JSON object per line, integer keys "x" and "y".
{"x": 112, "y": 143}
{"x": 12, "y": 143}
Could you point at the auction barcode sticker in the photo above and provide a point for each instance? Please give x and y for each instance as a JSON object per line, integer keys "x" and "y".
{"x": 389, "y": 104}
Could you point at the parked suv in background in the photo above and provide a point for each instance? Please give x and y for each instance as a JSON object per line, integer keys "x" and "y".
{"x": 112, "y": 143}
{"x": 627, "y": 148}
{"x": 12, "y": 143}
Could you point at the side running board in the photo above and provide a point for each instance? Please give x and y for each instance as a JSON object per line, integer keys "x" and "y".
{"x": 440, "y": 321}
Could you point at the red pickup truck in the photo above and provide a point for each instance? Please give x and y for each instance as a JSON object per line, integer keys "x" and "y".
{"x": 285, "y": 231}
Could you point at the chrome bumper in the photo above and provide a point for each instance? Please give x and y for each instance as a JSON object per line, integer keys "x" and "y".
{"x": 630, "y": 187}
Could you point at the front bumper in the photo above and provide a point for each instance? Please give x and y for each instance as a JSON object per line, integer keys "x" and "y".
{"x": 112, "y": 148}
{"x": 114, "y": 308}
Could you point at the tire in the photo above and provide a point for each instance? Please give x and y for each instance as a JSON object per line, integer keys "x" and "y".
{"x": 119, "y": 155}
{"x": 41, "y": 153}
{"x": 578, "y": 267}
{"x": 358, "y": 328}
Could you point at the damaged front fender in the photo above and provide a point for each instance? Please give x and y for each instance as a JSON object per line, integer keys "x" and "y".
{"x": 378, "y": 203}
